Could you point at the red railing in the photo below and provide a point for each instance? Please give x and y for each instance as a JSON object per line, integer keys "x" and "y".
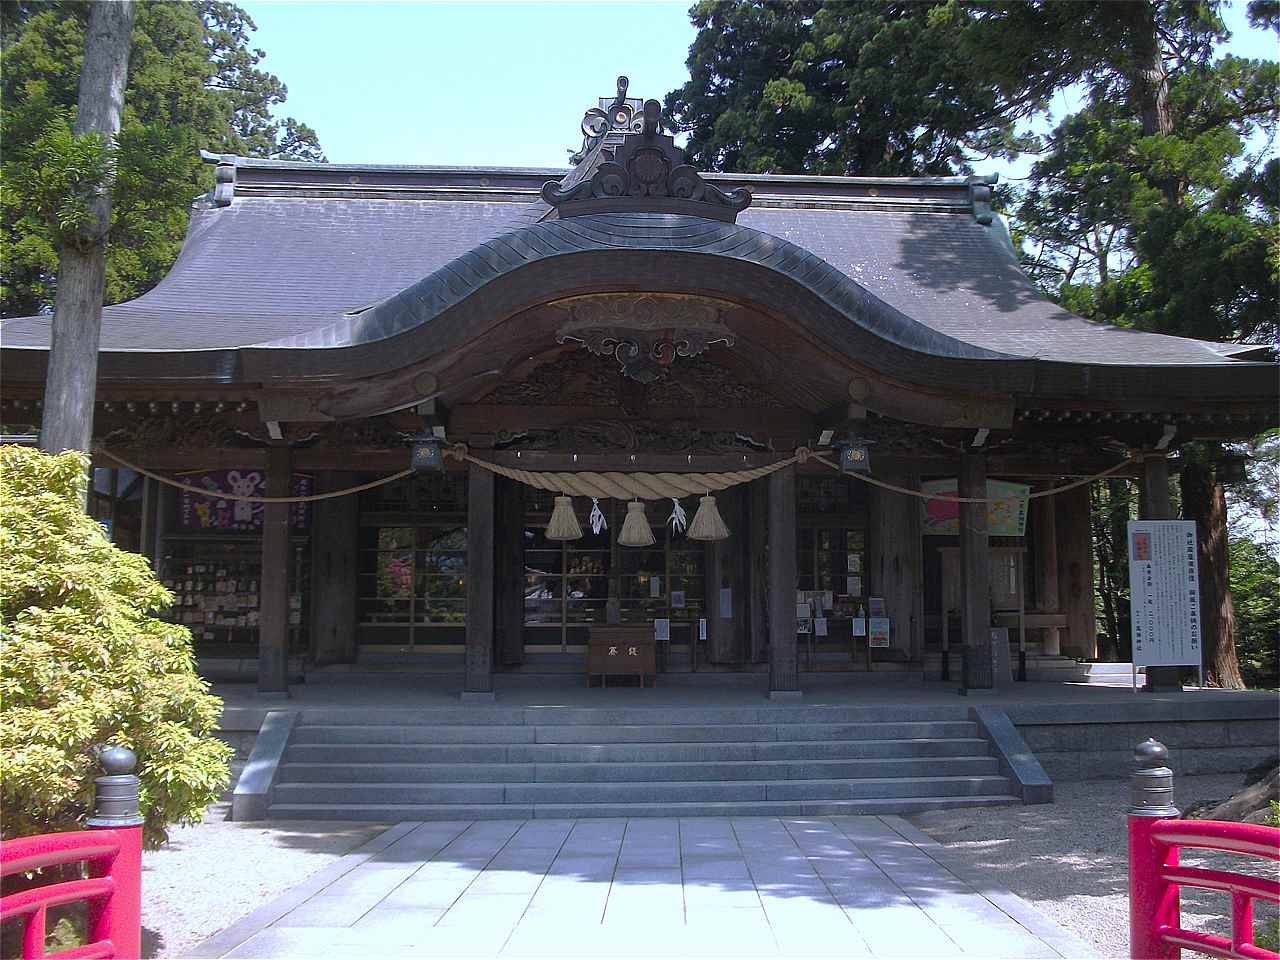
{"x": 112, "y": 854}
{"x": 1156, "y": 879}
{"x": 112, "y": 890}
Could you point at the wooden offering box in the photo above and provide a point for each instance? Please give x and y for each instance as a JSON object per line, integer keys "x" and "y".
{"x": 625, "y": 651}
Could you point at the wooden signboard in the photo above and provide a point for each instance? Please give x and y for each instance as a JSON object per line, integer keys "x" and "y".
{"x": 621, "y": 651}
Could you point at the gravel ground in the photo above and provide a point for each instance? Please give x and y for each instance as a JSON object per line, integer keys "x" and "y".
{"x": 1070, "y": 858}
{"x": 210, "y": 875}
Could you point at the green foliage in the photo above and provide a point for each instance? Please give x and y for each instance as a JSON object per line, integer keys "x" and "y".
{"x": 1255, "y": 587}
{"x": 194, "y": 82}
{"x": 829, "y": 87}
{"x": 86, "y": 662}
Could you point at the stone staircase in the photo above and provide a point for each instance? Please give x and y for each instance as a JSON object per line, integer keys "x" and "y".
{"x": 498, "y": 762}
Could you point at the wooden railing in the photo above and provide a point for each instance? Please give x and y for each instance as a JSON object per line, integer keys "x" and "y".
{"x": 1156, "y": 878}
{"x": 112, "y": 890}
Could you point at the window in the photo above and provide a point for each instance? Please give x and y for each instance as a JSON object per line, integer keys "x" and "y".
{"x": 413, "y": 575}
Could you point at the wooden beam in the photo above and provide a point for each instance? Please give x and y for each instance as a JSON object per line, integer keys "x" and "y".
{"x": 1075, "y": 572}
{"x": 975, "y": 553}
{"x": 1044, "y": 540}
{"x": 757, "y": 579}
{"x": 896, "y": 562}
{"x": 784, "y": 668}
{"x": 273, "y": 603}
{"x": 509, "y": 570}
{"x": 478, "y": 682}
{"x": 335, "y": 527}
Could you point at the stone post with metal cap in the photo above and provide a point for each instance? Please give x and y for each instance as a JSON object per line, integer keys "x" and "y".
{"x": 1153, "y": 901}
{"x": 118, "y": 918}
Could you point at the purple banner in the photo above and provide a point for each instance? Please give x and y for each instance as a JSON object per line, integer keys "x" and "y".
{"x": 213, "y": 513}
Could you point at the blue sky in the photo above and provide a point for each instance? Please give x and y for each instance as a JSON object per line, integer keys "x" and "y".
{"x": 476, "y": 83}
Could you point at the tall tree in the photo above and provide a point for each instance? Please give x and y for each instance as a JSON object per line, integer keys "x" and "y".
{"x": 77, "y": 314}
{"x": 1149, "y": 212}
{"x": 194, "y": 82}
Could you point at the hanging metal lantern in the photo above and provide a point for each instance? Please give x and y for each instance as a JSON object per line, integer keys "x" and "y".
{"x": 427, "y": 453}
{"x": 854, "y": 457}
{"x": 635, "y": 527}
{"x": 707, "y": 522}
{"x": 564, "y": 522}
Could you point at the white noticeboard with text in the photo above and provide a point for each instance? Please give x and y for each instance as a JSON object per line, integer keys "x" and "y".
{"x": 1164, "y": 590}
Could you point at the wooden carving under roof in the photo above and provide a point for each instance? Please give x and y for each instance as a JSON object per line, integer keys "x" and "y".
{"x": 579, "y": 379}
{"x": 648, "y": 436}
{"x": 645, "y": 333}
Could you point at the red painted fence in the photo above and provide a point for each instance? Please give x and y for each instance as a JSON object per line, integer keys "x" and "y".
{"x": 1156, "y": 878}
{"x": 112, "y": 853}
{"x": 113, "y": 890}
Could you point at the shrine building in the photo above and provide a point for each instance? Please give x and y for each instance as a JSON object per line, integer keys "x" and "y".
{"x": 626, "y": 405}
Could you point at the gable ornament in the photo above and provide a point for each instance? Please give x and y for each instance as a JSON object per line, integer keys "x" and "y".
{"x": 646, "y": 173}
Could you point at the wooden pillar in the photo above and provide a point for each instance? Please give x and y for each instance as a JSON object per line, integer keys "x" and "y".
{"x": 757, "y": 578}
{"x": 724, "y": 567}
{"x": 784, "y": 670}
{"x": 478, "y": 682}
{"x": 273, "y": 602}
{"x": 335, "y": 528}
{"x": 165, "y": 510}
{"x": 1156, "y": 504}
{"x": 975, "y": 552}
{"x": 1075, "y": 572}
{"x": 895, "y": 560}
{"x": 509, "y": 571}
{"x": 147, "y": 543}
{"x": 1044, "y": 536}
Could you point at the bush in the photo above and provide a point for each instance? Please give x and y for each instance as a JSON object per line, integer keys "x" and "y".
{"x": 85, "y": 661}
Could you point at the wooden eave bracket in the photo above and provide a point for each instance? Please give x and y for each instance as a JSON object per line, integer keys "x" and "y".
{"x": 297, "y": 408}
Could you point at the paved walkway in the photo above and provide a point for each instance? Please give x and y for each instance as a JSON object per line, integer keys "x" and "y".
{"x": 751, "y": 887}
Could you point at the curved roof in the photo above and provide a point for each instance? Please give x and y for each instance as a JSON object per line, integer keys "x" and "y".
{"x": 311, "y": 266}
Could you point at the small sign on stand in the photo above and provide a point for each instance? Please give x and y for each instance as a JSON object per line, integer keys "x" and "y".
{"x": 878, "y": 632}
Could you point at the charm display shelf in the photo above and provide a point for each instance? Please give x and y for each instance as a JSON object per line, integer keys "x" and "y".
{"x": 215, "y": 582}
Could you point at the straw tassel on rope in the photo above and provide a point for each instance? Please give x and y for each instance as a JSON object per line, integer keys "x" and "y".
{"x": 635, "y": 527}
{"x": 707, "y": 522}
{"x": 564, "y": 522}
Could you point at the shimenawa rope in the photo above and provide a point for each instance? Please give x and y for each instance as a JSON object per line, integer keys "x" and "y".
{"x": 620, "y": 486}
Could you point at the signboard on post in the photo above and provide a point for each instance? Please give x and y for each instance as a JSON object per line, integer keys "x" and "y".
{"x": 1164, "y": 590}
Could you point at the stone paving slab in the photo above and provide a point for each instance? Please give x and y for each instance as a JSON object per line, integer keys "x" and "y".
{"x": 699, "y": 887}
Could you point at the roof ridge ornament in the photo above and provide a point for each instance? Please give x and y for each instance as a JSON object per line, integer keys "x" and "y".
{"x": 647, "y": 173}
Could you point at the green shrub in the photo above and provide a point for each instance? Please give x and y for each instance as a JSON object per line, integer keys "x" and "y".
{"x": 85, "y": 661}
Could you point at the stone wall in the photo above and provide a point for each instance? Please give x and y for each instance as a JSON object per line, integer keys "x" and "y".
{"x": 1203, "y": 738}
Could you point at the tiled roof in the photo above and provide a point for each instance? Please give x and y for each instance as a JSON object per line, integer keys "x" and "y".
{"x": 278, "y": 264}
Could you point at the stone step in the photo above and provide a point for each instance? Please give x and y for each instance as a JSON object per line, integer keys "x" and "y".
{"x": 597, "y": 772}
{"x": 493, "y": 715}
{"x": 393, "y": 812}
{"x": 634, "y": 752}
{"x": 637, "y": 733}
{"x": 672, "y": 791}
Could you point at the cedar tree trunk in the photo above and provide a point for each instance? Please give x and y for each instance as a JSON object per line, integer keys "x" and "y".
{"x": 1204, "y": 501}
{"x": 77, "y": 312}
